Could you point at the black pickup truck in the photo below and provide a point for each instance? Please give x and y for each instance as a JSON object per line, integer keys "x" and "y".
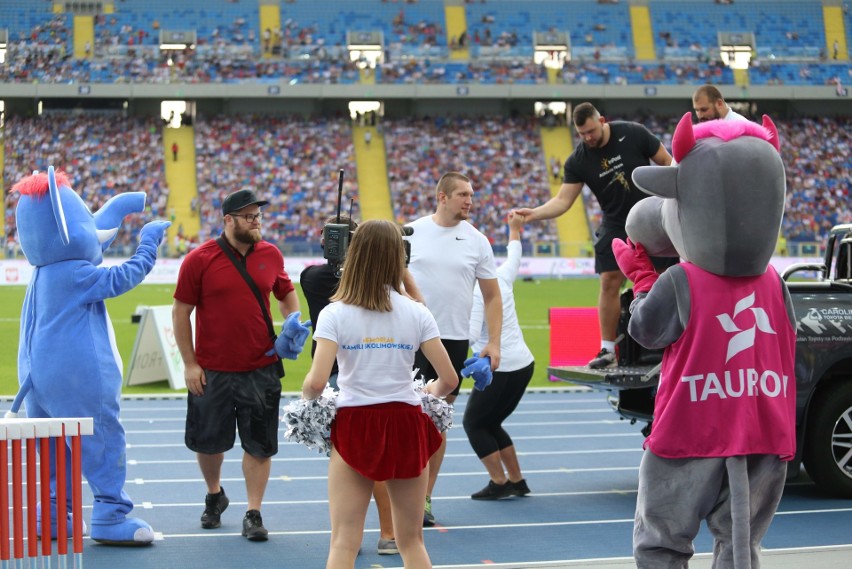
{"x": 823, "y": 308}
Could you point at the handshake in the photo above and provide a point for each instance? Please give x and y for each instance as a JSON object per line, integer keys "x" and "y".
{"x": 292, "y": 339}
{"x": 479, "y": 369}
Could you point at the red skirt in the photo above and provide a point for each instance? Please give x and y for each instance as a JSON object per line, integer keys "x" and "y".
{"x": 386, "y": 441}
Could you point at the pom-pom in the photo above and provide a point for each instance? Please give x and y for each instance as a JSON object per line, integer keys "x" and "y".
{"x": 309, "y": 421}
{"x": 438, "y": 409}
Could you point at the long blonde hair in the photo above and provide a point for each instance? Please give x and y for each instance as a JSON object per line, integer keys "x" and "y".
{"x": 374, "y": 264}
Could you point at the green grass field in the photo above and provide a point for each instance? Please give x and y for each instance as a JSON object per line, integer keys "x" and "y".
{"x": 533, "y": 300}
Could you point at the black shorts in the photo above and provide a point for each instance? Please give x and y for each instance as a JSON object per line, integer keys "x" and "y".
{"x": 604, "y": 257}
{"x": 456, "y": 349}
{"x": 251, "y": 399}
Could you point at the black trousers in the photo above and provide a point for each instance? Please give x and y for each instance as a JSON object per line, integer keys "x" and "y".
{"x": 486, "y": 410}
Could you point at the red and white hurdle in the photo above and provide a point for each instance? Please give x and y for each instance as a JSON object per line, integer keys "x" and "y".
{"x": 43, "y": 434}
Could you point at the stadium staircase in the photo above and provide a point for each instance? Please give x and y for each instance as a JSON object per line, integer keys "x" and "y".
{"x": 574, "y": 237}
{"x": 552, "y": 75}
{"x": 371, "y": 162}
{"x": 835, "y": 30}
{"x": 643, "y": 35}
{"x": 456, "y": 24}
{"x": 84, "y": 34}
{"x": 270, "y": 19}
{"x": 367, "y": 76}
{"x": 181, "y": 181}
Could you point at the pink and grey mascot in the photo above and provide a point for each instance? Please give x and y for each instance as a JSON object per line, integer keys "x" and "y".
{"x": 68, "y": 363}
{"x": 724, "y": 422}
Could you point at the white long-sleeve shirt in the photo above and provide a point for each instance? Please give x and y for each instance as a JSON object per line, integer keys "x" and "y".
{"x": 514, "y": 353}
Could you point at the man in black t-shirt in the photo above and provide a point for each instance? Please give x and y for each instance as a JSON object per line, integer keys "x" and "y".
{"x": 319, "y": 283}
{"x": 605, "y": 162}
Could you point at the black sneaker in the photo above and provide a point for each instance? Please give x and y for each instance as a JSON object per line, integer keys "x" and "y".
{"x": 253, "y": 529}
{"x": 604, "y": 359}
{"x": 214, "y": 505}
{"x": 494, "y": 491}
{"x": 520, "y": 488}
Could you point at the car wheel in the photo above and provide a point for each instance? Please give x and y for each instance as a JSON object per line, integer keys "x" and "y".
{"x": 828, "y": 441}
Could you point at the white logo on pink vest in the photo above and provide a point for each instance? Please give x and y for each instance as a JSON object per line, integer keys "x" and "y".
{"x": 744, "y": 339}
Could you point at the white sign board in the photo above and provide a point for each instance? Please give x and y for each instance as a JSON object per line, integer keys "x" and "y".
{"x": 155, "y": 354}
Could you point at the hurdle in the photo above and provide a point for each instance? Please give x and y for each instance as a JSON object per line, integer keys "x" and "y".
{"x": 44, "y": 434}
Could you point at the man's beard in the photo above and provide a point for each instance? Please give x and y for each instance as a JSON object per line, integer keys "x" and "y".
{"x": 247, "y": 236}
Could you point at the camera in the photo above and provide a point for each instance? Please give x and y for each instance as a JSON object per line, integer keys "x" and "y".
{"x": 336, "y": 234}
{"x": 335, "y": 242}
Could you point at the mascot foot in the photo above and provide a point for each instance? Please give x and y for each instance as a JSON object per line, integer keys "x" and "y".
{"x": 127, "y": 532}
{"x": 53, "y": 527}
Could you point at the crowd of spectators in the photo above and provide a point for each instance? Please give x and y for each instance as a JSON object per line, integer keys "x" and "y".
{"x": 502, "y": 156}
{"x": 818, "y": 162}
{"x": 291, "y": 161}
{"x": 294, "y": 161}
{"x": 103, "y": 154}
{"x": 308, "y": 53}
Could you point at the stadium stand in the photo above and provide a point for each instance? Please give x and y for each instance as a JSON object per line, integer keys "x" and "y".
{"x": 310, "y": 44}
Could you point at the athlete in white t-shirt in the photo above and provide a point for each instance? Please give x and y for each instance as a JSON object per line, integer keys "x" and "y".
{"x": 710, "y": 105}
{"x": 380, "y": 431}
{"x": 448, "y": 256}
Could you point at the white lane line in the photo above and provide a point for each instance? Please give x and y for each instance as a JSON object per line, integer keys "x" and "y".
{"x": 477, "y": 473}
{"x": 137, "y": 462}
{"x": 614, "y": 421}
{"x": 284, "y": 442}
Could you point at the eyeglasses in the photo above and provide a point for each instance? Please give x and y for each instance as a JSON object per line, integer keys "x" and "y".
{"x": 249, "y": 217}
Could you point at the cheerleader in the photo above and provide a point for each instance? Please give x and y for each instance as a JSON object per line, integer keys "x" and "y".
{"x": 380, "y": 432}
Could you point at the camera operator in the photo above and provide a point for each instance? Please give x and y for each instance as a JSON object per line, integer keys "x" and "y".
{"x": 319, "y": 283}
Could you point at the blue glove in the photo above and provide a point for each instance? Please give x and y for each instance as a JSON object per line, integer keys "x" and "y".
{"x": 480, "y": 369}
{"x": 153, "y": 231}
{"x": 292, "y": 339}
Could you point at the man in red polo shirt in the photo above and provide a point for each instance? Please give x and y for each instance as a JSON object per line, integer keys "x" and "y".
{"x": 228, "y": 373}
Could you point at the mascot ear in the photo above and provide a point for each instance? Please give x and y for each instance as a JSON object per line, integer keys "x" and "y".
{"x": 657, "y": 180}
{"x": 56, "y": 202}
{"x": 683, "y": 138}
{"x": 773, "y": 132}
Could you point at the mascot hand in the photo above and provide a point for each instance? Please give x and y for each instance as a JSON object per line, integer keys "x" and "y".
{"x": 292, "y": 339}
{"x": 635, "y": 263}
{"x": 153, "y": 231}
{"x": 480, "y": 369}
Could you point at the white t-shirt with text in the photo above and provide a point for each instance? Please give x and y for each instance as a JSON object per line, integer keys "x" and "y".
{"x": 375, "y": 350}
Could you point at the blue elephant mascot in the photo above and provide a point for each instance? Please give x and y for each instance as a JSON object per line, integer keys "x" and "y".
{"x": 68, "y": 363}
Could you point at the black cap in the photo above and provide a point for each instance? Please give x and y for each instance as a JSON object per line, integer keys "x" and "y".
{"x": 240, "y": 199}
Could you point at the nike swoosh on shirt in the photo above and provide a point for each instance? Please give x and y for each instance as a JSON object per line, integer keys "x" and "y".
{"x": 622, "y": 138}
{"x": 459, "y": 238}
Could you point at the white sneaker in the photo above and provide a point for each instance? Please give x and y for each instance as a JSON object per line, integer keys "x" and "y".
{"x": 387, "y": 547}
